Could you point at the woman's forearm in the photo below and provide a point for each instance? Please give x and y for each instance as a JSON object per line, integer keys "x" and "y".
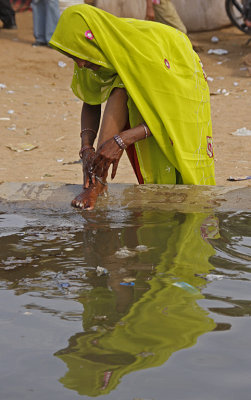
{"x": 90, "y": 120}
{"x": 133, "y": 135}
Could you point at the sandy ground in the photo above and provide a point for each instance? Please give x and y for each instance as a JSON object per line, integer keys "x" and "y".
{"x": 38, "y": 108}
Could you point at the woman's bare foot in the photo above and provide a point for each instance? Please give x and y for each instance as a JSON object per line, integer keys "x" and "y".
{"x": 86, "y": 200}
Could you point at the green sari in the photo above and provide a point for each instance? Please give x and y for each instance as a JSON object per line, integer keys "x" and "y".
{"x": 165, "y": 83}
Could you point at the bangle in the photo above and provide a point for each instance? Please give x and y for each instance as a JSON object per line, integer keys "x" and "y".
{"x": 145, "y": 129}
{"x": 120, "y": 142}
{"x": 100, "y": 180}
{"x": 86, "y": 147}
{"x": 88, "y": 130}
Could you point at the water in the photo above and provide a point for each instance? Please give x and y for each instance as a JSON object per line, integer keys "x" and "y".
{"x": 125, "y": 304}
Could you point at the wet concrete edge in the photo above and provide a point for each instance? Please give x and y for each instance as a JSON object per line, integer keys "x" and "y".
{"x": 47, "y": 195}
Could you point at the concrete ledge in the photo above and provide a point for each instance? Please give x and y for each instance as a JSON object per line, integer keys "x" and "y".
{"x": 163, "y": 197}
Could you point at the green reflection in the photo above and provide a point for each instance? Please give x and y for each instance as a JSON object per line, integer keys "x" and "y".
{"x": 155, "y": 318}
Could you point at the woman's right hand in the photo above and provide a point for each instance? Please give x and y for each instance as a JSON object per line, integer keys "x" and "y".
{"x": 88, "y": 156}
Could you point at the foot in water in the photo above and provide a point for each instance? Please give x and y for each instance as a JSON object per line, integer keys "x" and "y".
{"x": 86, "y": 200}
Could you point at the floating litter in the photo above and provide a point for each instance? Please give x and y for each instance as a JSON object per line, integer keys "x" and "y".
{"x": 101, "y": 271}
{"x": 124, "y": 252}
{"x": 186, "y": 286}
{"x": 127, "y": 283}
{"x": 213, "y": 277}
{"x": 141, "y": 248}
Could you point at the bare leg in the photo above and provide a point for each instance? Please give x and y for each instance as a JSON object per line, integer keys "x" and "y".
{"x": 114, "y": 121}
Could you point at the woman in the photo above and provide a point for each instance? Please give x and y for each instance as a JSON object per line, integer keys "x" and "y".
{"x": 158, "y": 102}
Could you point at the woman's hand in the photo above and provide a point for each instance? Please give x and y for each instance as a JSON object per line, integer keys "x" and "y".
{"x": 108, "y": 153}
{"x": 87, "y": 158}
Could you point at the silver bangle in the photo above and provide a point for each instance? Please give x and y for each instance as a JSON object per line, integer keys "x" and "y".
{"x": 120, "y": 142}
{"x": 145, "y": 129}
{"x": 100, "y": 180}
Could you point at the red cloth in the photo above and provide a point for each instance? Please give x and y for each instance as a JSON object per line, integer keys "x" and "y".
{"x": 21, "y": 5}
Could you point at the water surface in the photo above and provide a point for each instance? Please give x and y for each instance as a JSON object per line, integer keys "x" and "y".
{"x": 125, "y": 304}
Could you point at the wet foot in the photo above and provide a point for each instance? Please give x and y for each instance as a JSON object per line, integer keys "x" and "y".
{"x": 86, "y": 200}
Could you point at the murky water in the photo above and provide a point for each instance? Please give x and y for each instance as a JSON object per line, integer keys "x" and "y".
{"x": 125, "y": 305}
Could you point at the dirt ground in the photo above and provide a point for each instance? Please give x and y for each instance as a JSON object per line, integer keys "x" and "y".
{"x": 38, "y": 108}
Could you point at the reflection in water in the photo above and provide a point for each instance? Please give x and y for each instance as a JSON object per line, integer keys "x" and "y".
{"x": 137, "y": 327}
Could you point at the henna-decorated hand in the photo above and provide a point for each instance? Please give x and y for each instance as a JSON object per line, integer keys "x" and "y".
{"x": 108, "y": 153}
{"x": 88, "y": 156}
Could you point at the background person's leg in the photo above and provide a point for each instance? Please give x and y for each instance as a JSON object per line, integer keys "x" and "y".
{"x": 38, "y": 13}
{"x": 51, "y": 18}
{"x": 166, "y": 13}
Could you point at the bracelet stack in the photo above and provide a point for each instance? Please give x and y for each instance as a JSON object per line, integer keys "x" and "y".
{"x": 87, "y": 131}
{"x": 120, "y": 142}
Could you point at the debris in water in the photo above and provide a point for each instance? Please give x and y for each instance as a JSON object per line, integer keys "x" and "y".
{"x": 124, "y": 252}
{"x": 186, "y": 286}
{"x": 129, "y": 280}
{"x": 101, "y": 271}
{"x": 213, "y": 277}
{"x": 127, "y": 283}
{"x": 141, "y": 248}
{"x": 242, "y": 132}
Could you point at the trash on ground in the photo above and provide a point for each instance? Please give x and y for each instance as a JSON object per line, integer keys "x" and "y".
{"x": 11, "y": 111}
{"x": 242, "y": 132}
{"x": 48, "y": 176}
{"x": 10, "y": 91}
{"x": 218, "y": 52}
{"x": 2, "y": 86}
{"x": 4, "y": 119}
{"x": 210, "y": 79}
{"x": 22, "y": 147}
{"x": 214, "y": 39}
{"x": 12, "y": 127}
{"x": 186, "y": 286}
{"x": 73, "y": 162}
{"x": 235, "y": 83}
{"x": 101, "y": 271}
{"x": 221, "y": 91}
{"x": 59, "y": 138}
{"x": 127, "y": 283}
{"x": 238, "y": 178}
{"x": 62, "y": 64}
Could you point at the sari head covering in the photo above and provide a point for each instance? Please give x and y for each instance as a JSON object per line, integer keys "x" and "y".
{"x": 165, "y": 83}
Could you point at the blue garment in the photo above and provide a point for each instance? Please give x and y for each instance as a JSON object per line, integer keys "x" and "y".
{"x": 45, "y": 18}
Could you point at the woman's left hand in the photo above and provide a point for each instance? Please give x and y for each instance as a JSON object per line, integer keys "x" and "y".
{"x": 108, "y": 153}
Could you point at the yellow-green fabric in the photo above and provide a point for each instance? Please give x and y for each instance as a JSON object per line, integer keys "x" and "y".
{"x": 165, "y": 319}
{"x": 164, "y": 80}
